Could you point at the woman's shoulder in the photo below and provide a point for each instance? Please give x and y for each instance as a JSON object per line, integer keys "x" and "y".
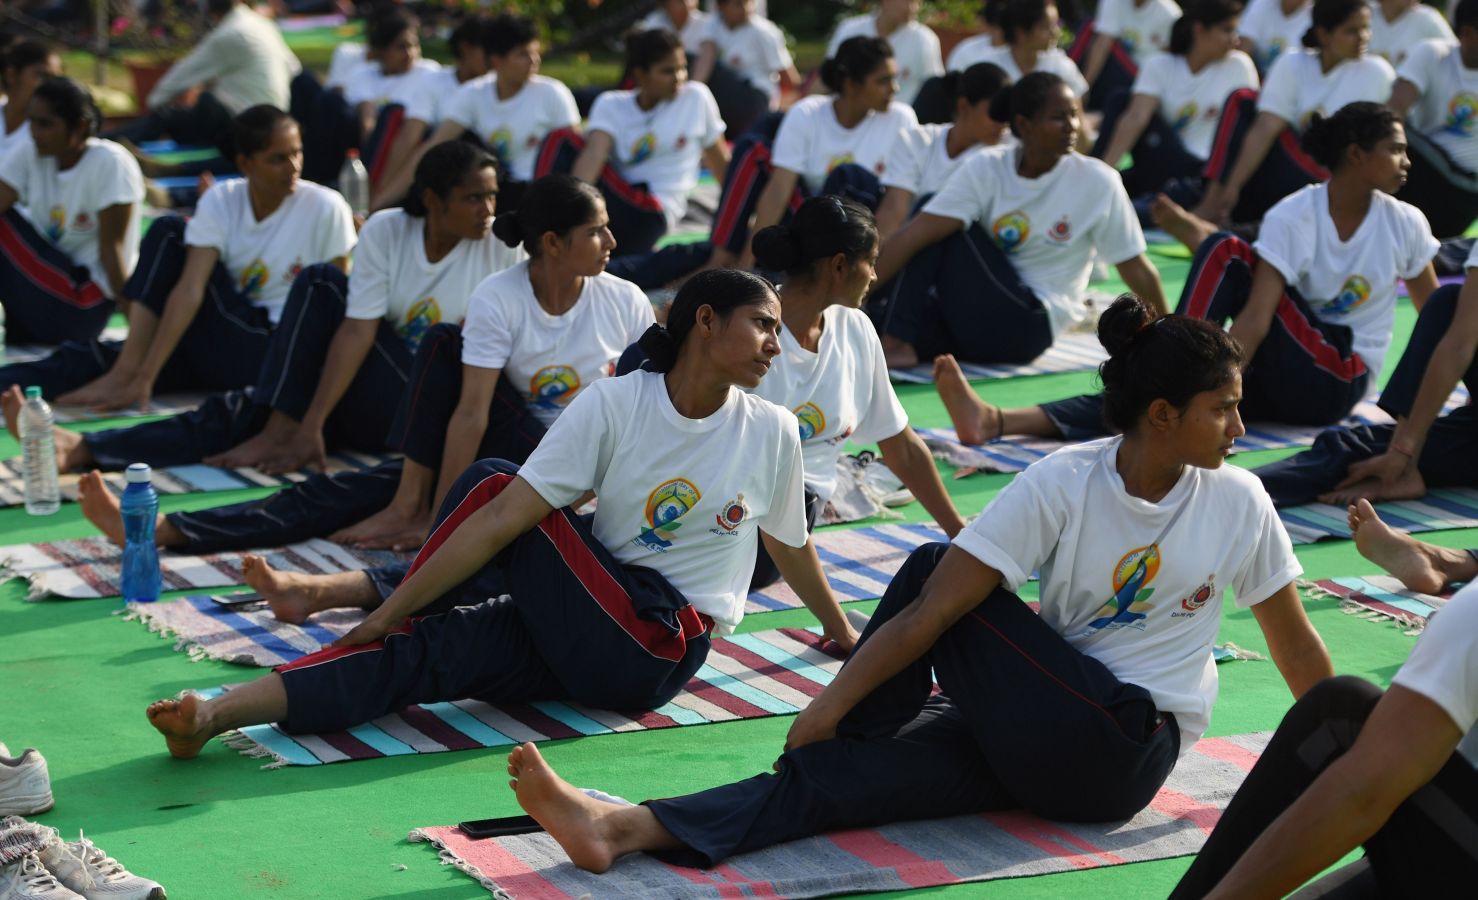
{"x": 808, "y": 107}
{"x": 111, "y": 155}
{"x": 618, "y": 288}
{"x": 319, "y": 197}
{"x": 1302, "y": 205}
{"x": 385, "y": 226}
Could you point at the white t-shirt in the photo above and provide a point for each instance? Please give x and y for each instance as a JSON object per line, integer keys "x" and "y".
{"x": 1054, "y": 61}
{"x": 1049, "y": 226}
{"x": 687, "y": 497}
{"x": 1448, "y": 108}
{"x": 368, "y": 83}
{"x": 64, "y": 206}
{"x": 346, "y": 60}
{"x": 393, "y": 280}
{"x": 968, "y": 52}
{"x": 549, "y": 359}
{"x": 1143, "y": 28}
{"x": 1391, "y": 41}
{"x": 427, "y": 97}
{"x": 839, "y": 393}
{"x": 1443, "y": 666}
{"x": 1070, "y": 517}
{"x": 1297, "y": 87}
{"x": 22, "y": 133}
{"x": 915, "y": 50}
{"x": 1271, "y": 32}
{"x": 1192, "y": 102}
{"x": 691, "y": 33}
{"x": 920, "y": 162}
{"x": 312, "y": 225}
{"x": 514, "y": 127}
{"x": 756, "y": 50}
{"x": 1350, "y": 282}
{"x": 811, "y": 142}
{"x": 661, "y": 147}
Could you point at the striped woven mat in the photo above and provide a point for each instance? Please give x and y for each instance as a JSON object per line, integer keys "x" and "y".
{"x": 889, "y": 858}
{"x": 1071, "y": 352}
{"x": 749, "y": 676}
{"x": 190, "y": 479}
{"x": 1440, "y": 509}
{"x": 1379, "y": 597}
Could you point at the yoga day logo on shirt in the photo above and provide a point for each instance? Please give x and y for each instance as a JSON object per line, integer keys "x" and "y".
{"x": 732, "y": 516}
{"x": 418, "y": 319}
{"x": 1355, "y": 292}
{"x": 1191, "y": 604}
{"x": 554, "y": 386}
{"x": 840, "y": 159}
{"x": 56, "y": 224}
{"x": 812, "y": 419}
{"x": 644, "y": 147}
{"x": 1130, "y": 39}
{"x": 1135, "y": 570}
{"x": 501, "y": 141}
{"x": 1011, "y": 230}
{"x": 1185, "y": 117}
{"x": 254, "y": 277}
{"x": 669, "y": 502}
{"x": 1461, "y": 110}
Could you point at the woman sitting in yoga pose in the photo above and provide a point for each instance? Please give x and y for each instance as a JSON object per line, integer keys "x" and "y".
{"x": 691, "y": 472}
{"x": 1076, "y": 713}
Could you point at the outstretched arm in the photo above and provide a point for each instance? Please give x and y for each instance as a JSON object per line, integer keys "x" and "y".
{"x": 1297, "y": 649}
{"x": 1221, "y": 199}
{"x": 906, "y": 456}
{"x": 1252, "y": 324}
{"x": 1404, "y": 743}
{"x": 1130, "y": 127}
{"x": 1144, "y": 281}
{"x": 593, "y": 158}
{"x": 801, "y": 569}
{"x": 921, "y": 231}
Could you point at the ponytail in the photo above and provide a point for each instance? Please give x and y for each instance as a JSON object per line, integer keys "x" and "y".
{"x": 725, "y": 290}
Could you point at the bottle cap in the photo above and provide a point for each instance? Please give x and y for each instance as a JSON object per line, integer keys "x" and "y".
{"x": 138, "y": 473}
{"x": 351, "y": 153}
{"x": 33, "y": 392}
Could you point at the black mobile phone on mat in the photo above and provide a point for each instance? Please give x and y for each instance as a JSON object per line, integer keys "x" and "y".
{"x": 237, "y": 601}
{"x": 504, "y": 827}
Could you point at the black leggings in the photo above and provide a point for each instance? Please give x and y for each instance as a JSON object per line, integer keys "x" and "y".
{"x": 1427, "y": 847}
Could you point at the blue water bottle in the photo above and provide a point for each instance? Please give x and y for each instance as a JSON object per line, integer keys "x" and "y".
{"x": 141, "y": 583}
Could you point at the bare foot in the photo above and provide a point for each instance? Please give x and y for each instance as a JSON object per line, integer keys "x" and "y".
{"x": 71, "y": 450}
{"x": 10, "y": 403}
{"x": 898, "y": 353}
{"x": 1408, "y": 486}
{"x": 1420, "y": 566}
{"x": 257, "y": 449}
{"x": 1180, "y": 223}
{"x": 389, "y": 529}
{"x": 580, "y": 824}
{"x": 975, "y": 420}
{"x": 180, "y": 723}
{"x": 293, "y": 597}
{"x": 100, "y": 506}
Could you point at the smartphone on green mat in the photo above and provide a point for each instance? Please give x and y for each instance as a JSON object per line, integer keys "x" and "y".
{"x": 504, "y": 827}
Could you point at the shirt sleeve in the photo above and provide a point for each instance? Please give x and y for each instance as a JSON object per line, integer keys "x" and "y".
{"x": 120, "y": 182}
{"x": 905, "y": 164}
{"x": 793, "y": 139}
{"x": 423, "y": 100}
{"x": 1420, "y": 64}
{"x": 713, "y": 121}
{"x": 641, "y": 315}
{"x": 959, "y": 197}
{"x": 1151, "y": 78}
{"x": 1110, "y": 19}
{"x": 933, "y": 54}
{"x": 1280, "y": 89}
{"x": 882, "y": 416}
{"x": 1069, "y": 72}
{"x": 777, "y": 55}
{"x": 604, "y": 117}
{"x": 459, "y": 107}
{"x": 211, "y": 222}
{"x": 1016, "y": 532}
{"x": 1443, "y": 666}
{"x": 1421, "y": 246}
{"x": 785, "y": 520}
{"x": 1282, "y": 243}
{"x": 1117, "y": 235}
{"x": 369, "y": 279}
{"x": 1270, "y": 564}
{"x": 338, "y": 232}
{"x": 217, "y": 52}
{"x": 561, "y": 107}
{"x": 17, "y": 165}
{"x": 487, "y": 333}
{"x": 576, "y": 450}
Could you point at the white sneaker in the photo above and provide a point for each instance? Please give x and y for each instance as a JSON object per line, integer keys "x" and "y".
{"x": 25, "y": 785}
{"x": 28, "y": 879}
{"x": 83, "y": 866}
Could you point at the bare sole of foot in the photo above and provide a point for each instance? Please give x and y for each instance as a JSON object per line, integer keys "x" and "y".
{"x": 1180, "y": 223}
{"x": 1415, "y": 564}
{"x": 966, "y": 410}
{"x": 388, "y": 529}
{"x": 575, "y": 820}
{"x": 179, "y": 722}
{"x": 100, "y": 506}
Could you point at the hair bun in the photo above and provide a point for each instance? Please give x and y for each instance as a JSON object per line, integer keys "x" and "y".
{"x": 508, "y": 227}
{"x": 1122, "y": 321}
{"x": 660, "y": 347}
{"x": 776, "y": 248}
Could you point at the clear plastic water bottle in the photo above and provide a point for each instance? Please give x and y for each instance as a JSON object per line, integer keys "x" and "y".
{"x": 354, "y": 184}
{"x": 141, "y": 582}
{"x": 38, "y": 456}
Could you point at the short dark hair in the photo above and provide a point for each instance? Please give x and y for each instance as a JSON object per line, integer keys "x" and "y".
{"x": 506, "y": 32}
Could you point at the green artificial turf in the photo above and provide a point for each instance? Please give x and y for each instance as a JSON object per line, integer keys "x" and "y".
{"x": 75, "y": 680}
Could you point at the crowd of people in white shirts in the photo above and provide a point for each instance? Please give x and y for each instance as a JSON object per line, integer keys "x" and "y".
{"x": 1313, "y": 155}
